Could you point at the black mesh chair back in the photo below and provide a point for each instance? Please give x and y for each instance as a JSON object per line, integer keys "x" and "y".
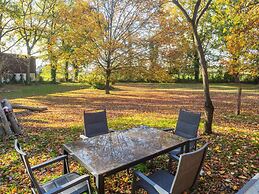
{"x": 95, "y": 123}
{"x": 187, "y": 124}
{"x": 163, "y": 181}
{"x": 188, "y": 170}
{"x": 26, "y": 163}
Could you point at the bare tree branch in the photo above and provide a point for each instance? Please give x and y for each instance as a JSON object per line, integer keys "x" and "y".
{"x": 176, "y": 2}
{"x": 12, "y": 45}
{"x": 203, "y": 11}
{"x": 196, "y": 8}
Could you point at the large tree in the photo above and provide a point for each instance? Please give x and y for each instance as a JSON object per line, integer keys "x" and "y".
{"x": 119, "y": 20}
{"x": 74, "y": 39}
{"x": 7, "y": 29}
{"x": 175, "y": 43}
{"x": 193, "y": 16}
{"x": 52, "y": 39}
{"x": 31, "y": 21}
{"x": 237, "y": 23}
{"x": 7, "y": 26}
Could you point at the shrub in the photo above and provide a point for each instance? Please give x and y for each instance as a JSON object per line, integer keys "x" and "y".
{"x": 96, "y": 79}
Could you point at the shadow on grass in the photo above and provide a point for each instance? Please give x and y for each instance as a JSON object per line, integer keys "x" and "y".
{"x": 230, "y": 87}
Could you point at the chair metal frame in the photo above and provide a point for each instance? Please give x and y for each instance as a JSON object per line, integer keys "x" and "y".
{"x": 161, "y": 190}
{"x": 191, "y": 138}
{"x": 35, "y": 187}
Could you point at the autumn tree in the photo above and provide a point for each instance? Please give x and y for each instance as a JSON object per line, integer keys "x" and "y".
{"x": 51, "y": 38}
{"x": 193, "y": 16}
{"x": 7, "y": 29}
{"x": 237, "y": 22}
{"x": 75, "y": 44}
{"x": 119, "y": 20}
{"x": 177, "y": 39}
{"x": 174, "y": 42}
{"x": 7, "y": 26}
{"x": 31, "y": 21}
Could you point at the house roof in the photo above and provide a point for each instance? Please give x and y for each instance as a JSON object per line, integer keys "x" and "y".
{"x": 17, "y": 63}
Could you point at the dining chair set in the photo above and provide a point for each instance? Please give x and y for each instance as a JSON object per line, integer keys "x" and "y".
{"x": 190, "y": 161}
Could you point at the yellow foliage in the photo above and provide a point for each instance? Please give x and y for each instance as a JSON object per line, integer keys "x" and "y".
{"x": 241, "y": 35}
{"x": 79, "y": 28}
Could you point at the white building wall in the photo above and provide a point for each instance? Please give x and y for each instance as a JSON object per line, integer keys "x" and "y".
{"x": 18, "y": 77}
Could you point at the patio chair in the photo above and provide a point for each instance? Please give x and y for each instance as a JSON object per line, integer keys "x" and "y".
{"x": 163, "y": 182}
{"x": 95, "y": 123}
{"x": 69, "y": 183}
{"x": 251, "y": 187}
{"x": 187, "y": 127}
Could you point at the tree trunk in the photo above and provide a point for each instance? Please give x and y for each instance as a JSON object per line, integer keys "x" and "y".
{"x": 53, "y": 73}
{"x": 66, "y": 71}
{"x": 195, "y": 61}
{"x": 76, "y": 72}
{"x": 28, "y": 70}
{"x": 196, "y": 65}
{"x": 31, "y": 108}
{"x": 28, "y": 77}
{"x": 209, "y": 108}
{"x": 153, "y": 54}
{"x": 1, "y": 66}
{"x": 107, "y": 82}
{"x": 1, "y": 84}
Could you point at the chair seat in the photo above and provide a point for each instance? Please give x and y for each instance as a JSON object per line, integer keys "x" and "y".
{"x": 175, "y": 152}
{"x": 56, "y": 183}
{"x": 163, "y": 178}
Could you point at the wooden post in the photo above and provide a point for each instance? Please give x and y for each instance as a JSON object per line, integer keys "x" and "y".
{"x": 239, "y": 93}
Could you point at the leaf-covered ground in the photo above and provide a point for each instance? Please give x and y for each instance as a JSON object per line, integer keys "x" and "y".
{"x": 233, "y": 153}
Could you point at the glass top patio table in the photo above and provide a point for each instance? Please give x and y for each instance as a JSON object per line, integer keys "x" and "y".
{"x": 119, "y": 150}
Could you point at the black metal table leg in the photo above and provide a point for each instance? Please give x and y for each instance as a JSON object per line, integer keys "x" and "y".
{"x": 65, "y": 164}
{"x": 187, "y": 147}
{"x": 100, "y": 184}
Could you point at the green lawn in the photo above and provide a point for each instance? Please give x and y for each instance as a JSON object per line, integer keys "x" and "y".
{"x": 21, "y": 91}
{"x": 233, "y": 153}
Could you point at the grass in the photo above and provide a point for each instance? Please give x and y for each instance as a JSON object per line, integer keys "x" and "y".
{"x": 233, "y": 153}
{"x": 21, "y": 91}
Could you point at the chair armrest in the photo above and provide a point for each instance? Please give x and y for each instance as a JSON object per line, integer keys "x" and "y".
{"x": 174, "y": 157}
{"x": 194, "y": 139}
{"x": 150, "y": 182}
{"x": 188, "y": 147}
{"x": 54, "y": 160}
{"x": 168, "y": 129}
{"x": 111, "y": 130}
{"x": 69, "y": 184}
{"x": 83, "y": 137}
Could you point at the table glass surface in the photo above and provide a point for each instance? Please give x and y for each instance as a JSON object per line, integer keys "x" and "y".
{"x": 103, "y": 153}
